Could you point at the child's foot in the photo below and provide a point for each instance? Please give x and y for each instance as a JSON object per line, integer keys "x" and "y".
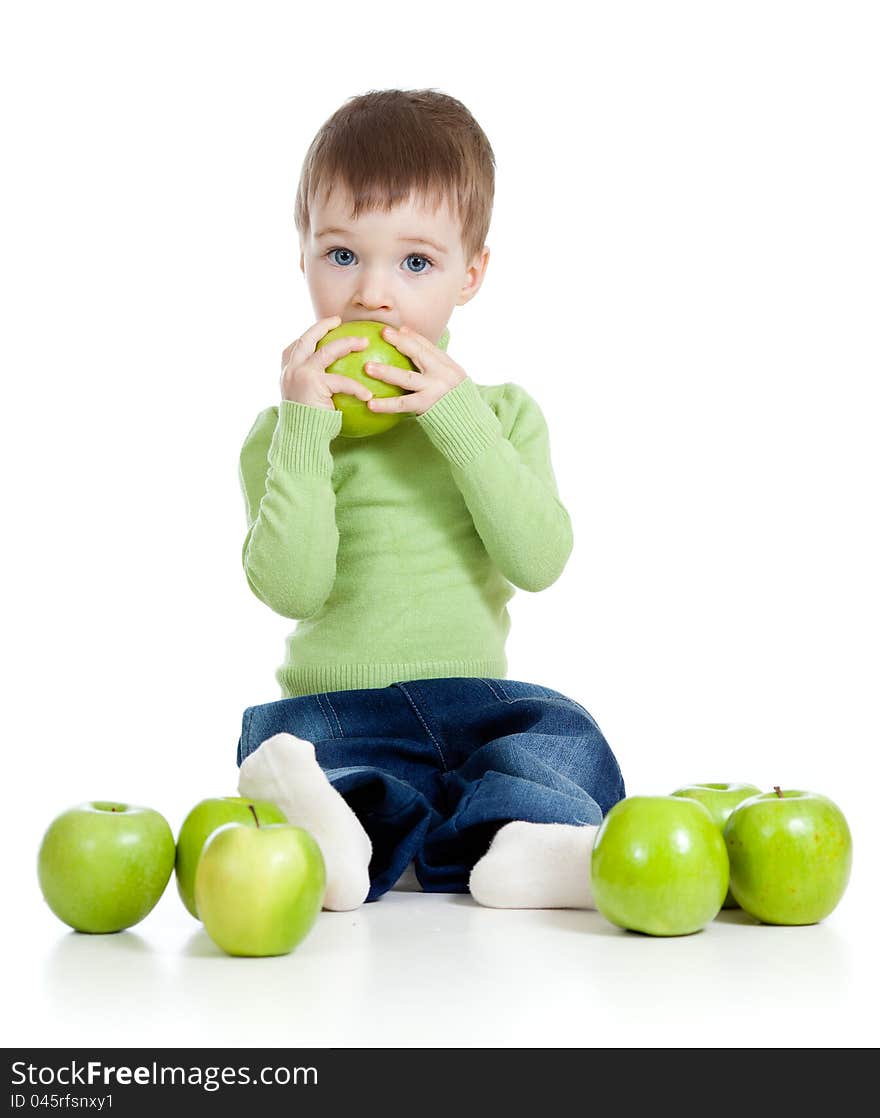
{"x": 284, "y": 770}
{"x": 536, "y": 865}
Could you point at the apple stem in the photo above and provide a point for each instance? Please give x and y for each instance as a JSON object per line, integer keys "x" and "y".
{"x": 778, "y": 791}
{"x": 254, "y": 814}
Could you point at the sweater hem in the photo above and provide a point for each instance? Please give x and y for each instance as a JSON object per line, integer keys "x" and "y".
{"x": 315, "y": 679}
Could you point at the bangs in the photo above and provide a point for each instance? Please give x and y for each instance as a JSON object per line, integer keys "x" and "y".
{"x": 385, "y": 148}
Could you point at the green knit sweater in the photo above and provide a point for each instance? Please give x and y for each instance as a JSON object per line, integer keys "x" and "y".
{"x": 396, "y": 553}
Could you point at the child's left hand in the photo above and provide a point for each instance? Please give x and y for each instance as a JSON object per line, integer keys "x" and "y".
{"x": 435, "y": 373}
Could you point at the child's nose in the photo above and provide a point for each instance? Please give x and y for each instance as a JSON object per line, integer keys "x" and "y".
{"x": 374, "y": 291}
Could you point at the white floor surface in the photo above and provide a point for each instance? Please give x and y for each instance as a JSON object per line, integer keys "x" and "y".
{"x": 419, "y": 970}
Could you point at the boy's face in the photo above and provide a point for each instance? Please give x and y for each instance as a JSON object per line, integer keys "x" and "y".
{"x": 382, "y": 267}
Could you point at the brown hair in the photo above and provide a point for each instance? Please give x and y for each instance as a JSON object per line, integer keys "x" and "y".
{"x": 382, "y": 146}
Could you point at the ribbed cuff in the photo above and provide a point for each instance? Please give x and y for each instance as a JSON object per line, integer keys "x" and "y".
{"x": 301, "y": 440}
{"x": 461, "y": 424}
{"x": 322, "y": 678}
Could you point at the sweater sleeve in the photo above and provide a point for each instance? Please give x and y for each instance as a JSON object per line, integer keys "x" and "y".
{"x": 501, "y": 464}
{"x": 285, "y": 471}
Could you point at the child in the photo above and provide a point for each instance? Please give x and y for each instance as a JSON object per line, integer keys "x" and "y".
{"x": 399, "y": 743}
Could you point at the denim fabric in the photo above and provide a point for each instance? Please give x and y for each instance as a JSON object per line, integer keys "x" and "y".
{"x": 433, "y": 767}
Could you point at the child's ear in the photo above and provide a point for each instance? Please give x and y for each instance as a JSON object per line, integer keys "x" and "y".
{"x": 474, "y": 275}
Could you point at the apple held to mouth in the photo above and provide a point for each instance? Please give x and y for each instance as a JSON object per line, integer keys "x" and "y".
{"x": 719, "y": 800}
{"x": 102, "y": 866}
{"x": 201, "y": 822}
{"x": 357, "y": 419}
{"x": 790, "y": 856}
{"x": 258, "y": 890}
{"x": 659, "y": 866}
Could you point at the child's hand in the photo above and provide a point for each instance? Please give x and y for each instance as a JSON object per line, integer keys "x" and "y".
{"x": 303, "y": 376}
{"x": 436, "y": 373}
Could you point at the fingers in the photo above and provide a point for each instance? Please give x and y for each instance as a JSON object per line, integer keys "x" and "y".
{"x": 407, "y": 341}
{"x": 391, "y": 374}
{"x": 324, "y": 356}
{"x": 306, "y": 344}
{"x": 411, "y": 401}
{"x": 336, "y": 382}
{"x": 314, "y": 333}
{"x": 339, "y": 347}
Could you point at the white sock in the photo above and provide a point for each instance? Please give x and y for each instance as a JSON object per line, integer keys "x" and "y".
{"x": 536, "y": 865}
{"x": 284, "y": 770}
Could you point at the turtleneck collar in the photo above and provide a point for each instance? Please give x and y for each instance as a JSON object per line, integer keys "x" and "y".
{"x": 444, "y": 339}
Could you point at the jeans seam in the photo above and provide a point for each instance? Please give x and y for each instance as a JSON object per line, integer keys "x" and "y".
{"x": 321, "y": 700}
{"x": 620, "y": 782}
{"x": 500, "y": 696}
{"x": 245, "y": 735}
{"x": 425, "y": 725}
{"x": 584, "y": 710}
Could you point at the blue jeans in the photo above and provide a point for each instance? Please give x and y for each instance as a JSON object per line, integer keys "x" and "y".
{"x": 433, "y": 767}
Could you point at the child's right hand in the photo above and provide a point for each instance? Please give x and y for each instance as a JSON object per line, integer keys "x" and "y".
{"x": 303, "y": 376}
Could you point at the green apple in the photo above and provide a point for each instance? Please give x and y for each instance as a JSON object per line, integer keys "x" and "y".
{"x": 790, "y": 856}
{"x": 659, "y": 866}
{"x": 102, "y": 866}
{"x": 259, "y": 889}
{"x": 357, "y": 419}
{"x": 205, "y": 818}
{"x": 720, "y": 800}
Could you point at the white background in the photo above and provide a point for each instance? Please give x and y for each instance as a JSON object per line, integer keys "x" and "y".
{"x": 684, "y": 274}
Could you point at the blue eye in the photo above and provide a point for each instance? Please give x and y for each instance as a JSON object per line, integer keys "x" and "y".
{"x": 348, "y": 258}
{"x": 417, "y": 256}
{"x": 333, "y": 252}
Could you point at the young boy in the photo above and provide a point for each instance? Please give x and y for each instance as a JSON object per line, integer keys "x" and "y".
{"x": 399, "y": 743}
